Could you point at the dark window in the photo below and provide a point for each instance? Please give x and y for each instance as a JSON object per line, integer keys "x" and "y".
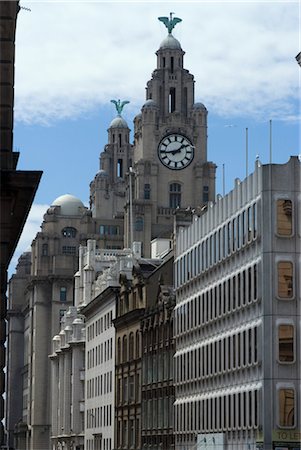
{"x": 205, "y": 193}
{"x": 62, "y": 313}
{"x": 147, "y": 191}
{"x": 174, "y": 195}
{"x": 112, "y": 230}
{"x": 44, "y": 249}
{"x": 172, "y": 64}
{"x": 69, "y": 232}
{"x": 139, "y": 224}
{"x": 68, "y": 250}
{"x": 63, "y": 294}
{"x": 286, "y": 343}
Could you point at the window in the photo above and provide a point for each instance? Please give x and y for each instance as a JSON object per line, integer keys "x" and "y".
{"x": 68, "y": 250}
{"x": 286, "y": 407}
{"x": 205, "y": 194}
{"x": 120, "y": 168}
{"x": 69, "y": 232}
{"x": 131, "y": 388}
{"x": 286, "y": 343}
{"x": 174, "y": 195}
{"x": 63, "y": 294}
{"x": 284, "y": 217}
{"x": 45, "y": 250}
{"x": 139, "y": 224}
{"x": 285, "y": 279}
{"x": 112, "y": 230}
{"x": 124, "y": 349}
{"x": 147, "y": 190}
{"x": 62, "y": 313}
{"x": 131, "y": 346}
{"x": 172, "y": 100}
{"x": 131, "y": 433}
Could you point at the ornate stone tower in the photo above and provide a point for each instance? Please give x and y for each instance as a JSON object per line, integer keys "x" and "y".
{"x": 108, "y": 189}
{"x": 170, "y": 148}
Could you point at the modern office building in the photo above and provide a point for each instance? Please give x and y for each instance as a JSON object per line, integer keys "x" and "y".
{"x": 237, "y": 317}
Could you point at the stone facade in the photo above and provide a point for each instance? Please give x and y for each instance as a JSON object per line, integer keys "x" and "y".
{"x": 163, "y": 179}
{"x": 137, "y": 292}
{"x": 67, "y": 383}
{"x": 237, "y": 317}
{"x": 37, "y": 303}
{"x": 158, "y": 395}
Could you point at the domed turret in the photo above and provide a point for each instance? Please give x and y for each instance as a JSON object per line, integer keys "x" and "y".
{"x": 150, "y": 104}
{"x": 170, "y": 43}
{"x": 118, "y": 122}
{"x": 70, "y": 205}
{"x": 199, "y": 106}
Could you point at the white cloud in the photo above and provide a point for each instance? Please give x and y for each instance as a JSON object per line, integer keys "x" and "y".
{"x": 74, "y": 56}
{"x": 31, "y": 228}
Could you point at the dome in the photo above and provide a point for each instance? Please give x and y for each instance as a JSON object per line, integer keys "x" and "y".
{"x": 199, "y": 105}
{"x": 170, "y": 42}
{"x": 70, "y": 205}
{"x": 150, "y": 104}
{"x": 118, "y": 122}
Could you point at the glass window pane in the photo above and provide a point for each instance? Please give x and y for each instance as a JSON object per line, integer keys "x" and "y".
{"x": 284, "y": 217}
{"x": 286, "y": 343}
{"x": 286, "y": 407}
{"x": 285, "y": 279}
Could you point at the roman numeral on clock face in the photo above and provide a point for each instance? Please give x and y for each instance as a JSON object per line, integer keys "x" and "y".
{"x": 175, "y": 151}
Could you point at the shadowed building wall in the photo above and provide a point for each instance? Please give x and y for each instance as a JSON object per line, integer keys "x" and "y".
{"x": 17, "y": 187}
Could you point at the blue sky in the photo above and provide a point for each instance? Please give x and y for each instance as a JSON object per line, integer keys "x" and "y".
{"x": 73, "y": 57}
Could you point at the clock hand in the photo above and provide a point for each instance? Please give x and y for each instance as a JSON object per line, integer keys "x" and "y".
{"x": 176, "y": 150}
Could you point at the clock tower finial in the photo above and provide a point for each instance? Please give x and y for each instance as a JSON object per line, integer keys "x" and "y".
{"x": 170, "y": 22}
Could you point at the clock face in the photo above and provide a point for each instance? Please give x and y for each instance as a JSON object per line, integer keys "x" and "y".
{"x": 175, "y": 151}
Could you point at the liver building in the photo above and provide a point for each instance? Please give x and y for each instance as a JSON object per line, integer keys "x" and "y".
{"x": 166, "y": 167}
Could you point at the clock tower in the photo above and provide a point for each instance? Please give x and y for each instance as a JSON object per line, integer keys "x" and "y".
{"x": 170, "y": 167}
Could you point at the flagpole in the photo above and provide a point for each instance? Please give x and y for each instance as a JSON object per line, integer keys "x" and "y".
{"x": 271, "y": 141}
{"x": 247, "y": 152}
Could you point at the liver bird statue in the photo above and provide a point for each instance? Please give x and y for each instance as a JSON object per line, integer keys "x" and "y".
{"x": 119, "y": 105}
{"x": 170, "y": 22}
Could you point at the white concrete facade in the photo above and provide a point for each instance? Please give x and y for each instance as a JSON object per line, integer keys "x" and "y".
{"x": 96, "y": 287}
{"x": 100, "y": 374}
{"x": 237, "y": 316}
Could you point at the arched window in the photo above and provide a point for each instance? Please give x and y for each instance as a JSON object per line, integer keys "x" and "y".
{"x": 131, "y": 346}
{"x": 69, "y": 232}
{"x": 124, "y": 349}
{"x": 174, "y": 195}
